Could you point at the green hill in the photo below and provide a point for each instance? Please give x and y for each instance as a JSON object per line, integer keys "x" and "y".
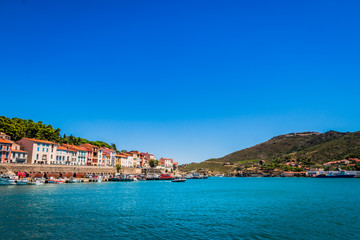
{"x": 306, "y": 149}
{"x": 18, "y": 128}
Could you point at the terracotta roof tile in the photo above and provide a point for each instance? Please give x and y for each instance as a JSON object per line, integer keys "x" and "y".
{"x": 5, "y": 141}
{"x": 41, "y": 141}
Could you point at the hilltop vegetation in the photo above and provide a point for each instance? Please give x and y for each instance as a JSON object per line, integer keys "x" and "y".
{"x": 309, "y": 149}
{"x": 18, "y": 128}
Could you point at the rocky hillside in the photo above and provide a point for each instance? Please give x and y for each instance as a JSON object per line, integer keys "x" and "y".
{"x": 307, "y": 149}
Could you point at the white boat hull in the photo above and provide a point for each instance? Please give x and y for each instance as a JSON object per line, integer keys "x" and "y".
{"x": 7, "y": 181}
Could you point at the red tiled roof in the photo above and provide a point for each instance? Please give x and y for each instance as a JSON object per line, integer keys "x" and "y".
{"x": 66, "y": 149}
{"x": 76, "y": 148}
{"x": 121, "y": 155}
{"x": 5, "y": 141}
{"x": 18, "y": 151}
{"x": 134, "y": 151}
{"x": 37, "y": 140}
{"x": 88, "y": 145}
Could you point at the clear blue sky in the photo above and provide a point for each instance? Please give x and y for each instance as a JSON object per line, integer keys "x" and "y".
{"x": 189, "y": 80}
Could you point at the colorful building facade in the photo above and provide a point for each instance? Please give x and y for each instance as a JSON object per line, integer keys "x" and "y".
{"x": 39, "y": 151}
{"x": 92, "y": 154}
{"x": 18, "y": 156}
{"x": 5, "y": 151}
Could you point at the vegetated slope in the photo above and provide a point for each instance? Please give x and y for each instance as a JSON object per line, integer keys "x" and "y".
{"x": 18, "y": 128}
{"x": 308, "y": 148}
{"x": 346, "y": 146}
{"x": 280, "y": 145}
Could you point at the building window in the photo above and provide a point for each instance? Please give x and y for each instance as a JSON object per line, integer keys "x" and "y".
{"x": 38, "y": 149}
{"x": 47, "y": 150}
{"x": 37, "y": 156}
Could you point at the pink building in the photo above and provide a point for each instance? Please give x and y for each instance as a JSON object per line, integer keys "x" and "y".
{"x": 5, "y": 151}
{"x": 109, "y": 156}
{"x": 92, "y": 154}
{"x": 39, "y": 151}
{"x": 146, "y": 157}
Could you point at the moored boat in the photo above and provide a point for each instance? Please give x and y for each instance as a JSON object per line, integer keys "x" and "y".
{"x": 122, "y": 178}
{"x": 197, "y": 176}
{"x": 342, "y": 174}
{"x": 37, "y": 182}
{"x": 166, "y": 177}
{"x": 55, "y": 181}
{"x": 178, "y": 179}
{"x": 99, "y": 179}
{"x": 6, "y": 180}
{"x": 22, "y": 182}
{"x": 73, "y": 180}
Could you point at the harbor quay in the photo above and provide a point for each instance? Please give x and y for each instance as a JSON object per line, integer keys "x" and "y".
{"x": 89, "y": 170}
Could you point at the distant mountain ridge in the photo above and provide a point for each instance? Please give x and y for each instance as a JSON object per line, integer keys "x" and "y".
{"x": 306, "y": 148}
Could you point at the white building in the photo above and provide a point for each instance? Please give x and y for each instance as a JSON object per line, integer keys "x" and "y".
{"x": 78, "y": 154}
{"x": 66, "y": 156}
{"x": 18, "y": 156}
{"x": 135, "y": 155}
{"x": 125, "y": 160}
{"x": 166, "y": 163}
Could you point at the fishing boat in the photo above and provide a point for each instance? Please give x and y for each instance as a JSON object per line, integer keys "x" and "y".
{"x": 37, "y": 182}
{"x": 189, "y": 176}
{"x": 179, "y": 179}
{"x": 114, "y": 179}
{"x": 166, "y": 177}
{"x": 198, "y": 176}
{"x": 122, "y": 178}
{"x": 99, "y": 179}
{"x": 150, "y": 177}
{"x": 7, "y": 180}
{"x": 342, "y": 174}
{"x": 72, "y": 180}
{"x": 55, "y": 181}
{"x": 22, "y": 182}
{"x": 140, "y": 178}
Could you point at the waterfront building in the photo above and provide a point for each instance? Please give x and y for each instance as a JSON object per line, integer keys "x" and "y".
{"x": 146, "y": 157}
{"x": 66, "y": 156}
{"x": 81, "y": 154}
{"x": 18, "y": 156}
{"x": 166, "y": 163}
{"x": 109, "y": 153}
{"x": 5, "y": 151}
{"x": 112, "y": 157}
{"x": 135, "y": 157}
{"x": 92, "y": 154}
{"x": 15, "y": 146}
{"x": 107, "y": 159}
{"x": 120, "y": 159}
{"x": 124, "y": 159}
{"x": 102, "y": 161}
{"x": 100, "y": 158}
{"x": 39, "y": 151}
{"x": 4, "y": 136}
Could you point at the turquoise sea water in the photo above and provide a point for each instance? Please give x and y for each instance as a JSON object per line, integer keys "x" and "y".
{"x": 214, "y": 208}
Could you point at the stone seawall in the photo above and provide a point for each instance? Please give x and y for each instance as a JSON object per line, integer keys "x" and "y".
{"x": 37, "y": 168}
{"x": 33, "y": 168}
